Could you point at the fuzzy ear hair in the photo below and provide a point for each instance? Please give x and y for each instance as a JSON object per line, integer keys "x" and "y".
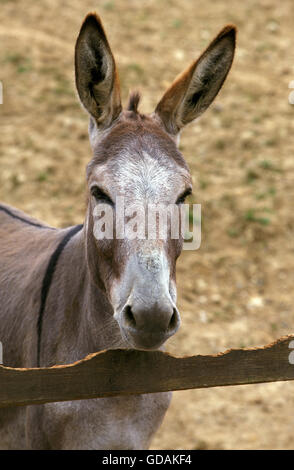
{"x": 195, "y": 89}
{"x": 96, "y": 74}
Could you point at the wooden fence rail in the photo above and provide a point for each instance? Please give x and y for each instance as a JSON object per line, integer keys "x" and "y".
{"x": 126, "y": 372}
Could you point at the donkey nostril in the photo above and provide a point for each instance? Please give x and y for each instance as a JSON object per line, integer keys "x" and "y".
{"x": 129, "y": 317}
{"x": 173, "y": 321}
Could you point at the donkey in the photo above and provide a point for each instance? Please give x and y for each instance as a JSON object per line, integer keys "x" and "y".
{"x": 65, "y": 294}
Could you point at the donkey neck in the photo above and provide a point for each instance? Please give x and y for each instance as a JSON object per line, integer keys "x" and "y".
{"x": 98, "y": 329}
{"x": 77, "y": 308}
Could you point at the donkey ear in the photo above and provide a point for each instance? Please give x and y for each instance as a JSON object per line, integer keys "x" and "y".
{"x": 96, "y": 75}
{"x": 195, "y": 89}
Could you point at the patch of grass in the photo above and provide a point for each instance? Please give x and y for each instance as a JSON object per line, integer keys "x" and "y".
{"x": 24, "y": 68}
{"x": 233, "y": 232}
{"x": 256, "y": 119}
{"x": 63, "y": 86}
{"x": 177, "y": 23}
{"x": 272, "y": 191}
{"x": 271, "y": 142}
{"x": 269, "y": 192}
{"x": 45, "y": 174}
{"x": 14, "y": 58}
{"x": 136, "y": 68}
{"x": 251, "y": 216}
{"x": 42, "y": 176}
{"x": 203, "y": 184}
{"x": 268, "y": 165}
{"x": 21, "y": 63}
{"x": 251, "y": 176}
{"x": 109, "y": 6}
{"x": 261, "y": 196}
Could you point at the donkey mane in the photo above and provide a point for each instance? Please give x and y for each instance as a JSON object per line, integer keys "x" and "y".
{"x": 23, "y": 219}
{"x": 134, "y": 100}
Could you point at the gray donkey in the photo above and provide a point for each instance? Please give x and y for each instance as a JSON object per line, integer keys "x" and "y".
{"x": 64, "y": 293}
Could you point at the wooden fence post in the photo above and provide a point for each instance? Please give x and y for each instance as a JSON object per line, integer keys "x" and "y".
{"x": 126, "y": 372}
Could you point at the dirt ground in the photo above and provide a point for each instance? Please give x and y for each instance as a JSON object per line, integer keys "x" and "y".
{"x": 237, "y": 289}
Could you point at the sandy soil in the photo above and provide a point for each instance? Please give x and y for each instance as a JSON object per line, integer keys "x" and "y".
{"x": 237, "y": 289}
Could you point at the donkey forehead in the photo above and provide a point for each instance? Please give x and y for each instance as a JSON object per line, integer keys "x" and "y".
{"x": 142, "y": 174}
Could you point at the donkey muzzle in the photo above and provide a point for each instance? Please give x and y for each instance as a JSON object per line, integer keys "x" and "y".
{"x": 149, "y": 326}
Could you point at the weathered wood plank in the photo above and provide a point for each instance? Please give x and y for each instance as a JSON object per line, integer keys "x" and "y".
{"x": 125, "y": 372}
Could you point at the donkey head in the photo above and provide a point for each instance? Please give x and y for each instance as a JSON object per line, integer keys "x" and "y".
{"x": 135, "y": 157}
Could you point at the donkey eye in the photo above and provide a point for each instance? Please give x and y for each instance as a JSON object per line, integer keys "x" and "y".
{"x": 100, "y": 195}
{"x": 181, "y": 199}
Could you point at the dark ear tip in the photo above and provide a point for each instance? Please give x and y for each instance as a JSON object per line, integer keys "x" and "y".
{"x": 230, "y": 30}
{"x": 92, "y": 26}
{"x": 92, "y": 20}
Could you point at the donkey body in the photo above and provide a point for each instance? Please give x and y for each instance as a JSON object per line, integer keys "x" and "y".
{"x": 65, "y": 294}
{"x": 83, "y": 424}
